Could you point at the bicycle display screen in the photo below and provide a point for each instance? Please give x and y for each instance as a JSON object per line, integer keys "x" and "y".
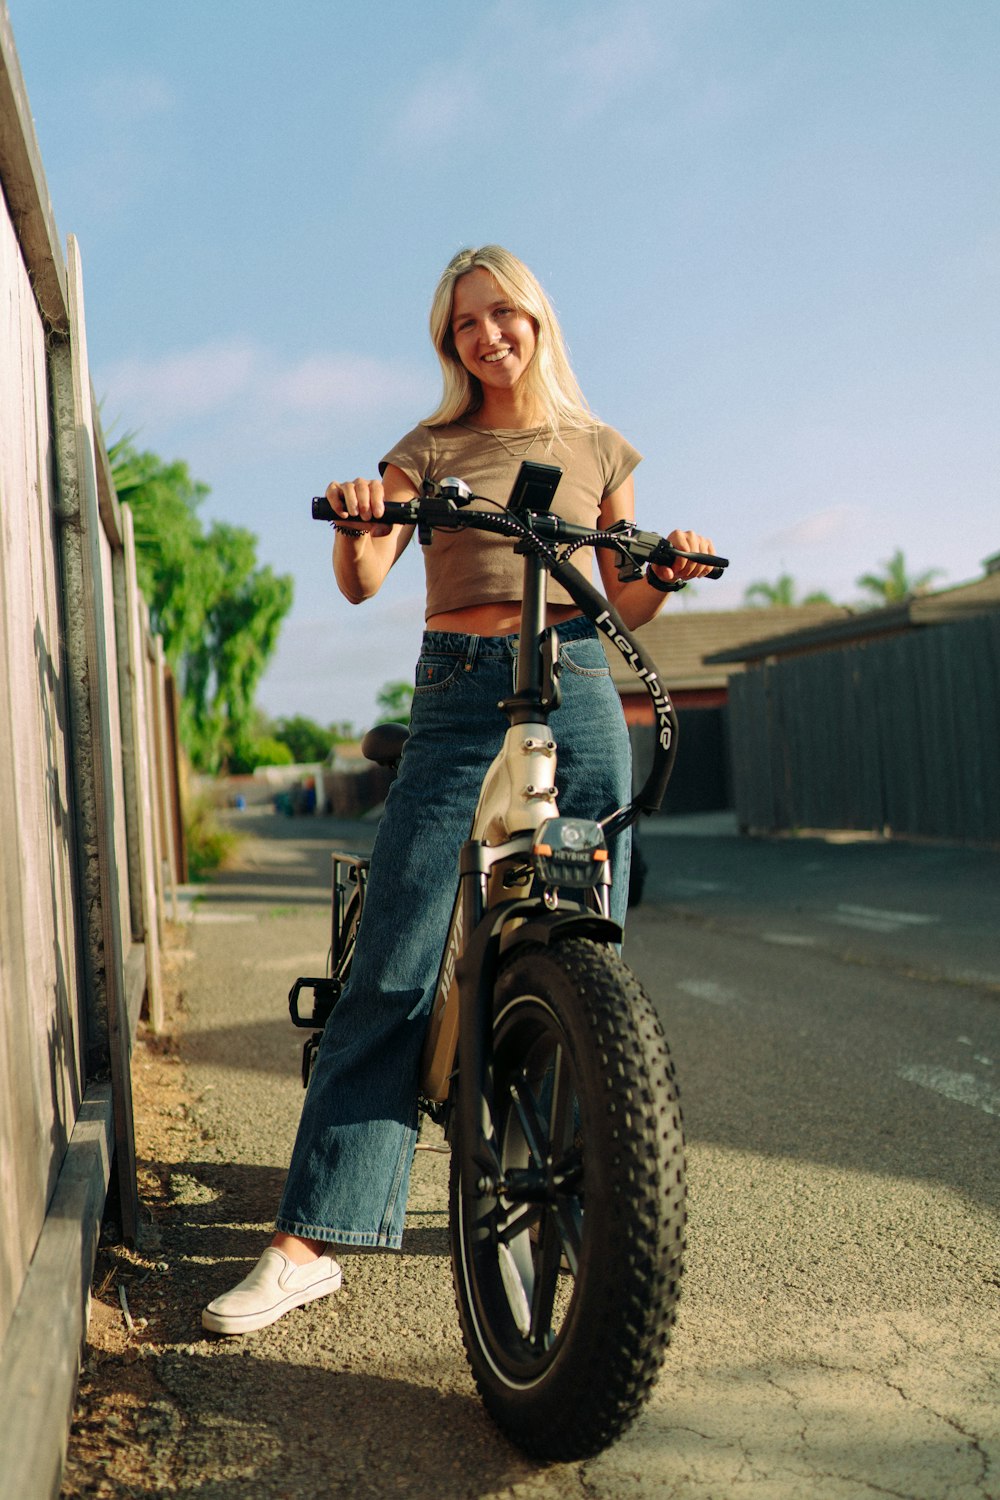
{"x": 533, "y": 488}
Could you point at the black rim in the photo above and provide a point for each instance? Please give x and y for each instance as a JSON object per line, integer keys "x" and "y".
{"x": 523, "y": 1250}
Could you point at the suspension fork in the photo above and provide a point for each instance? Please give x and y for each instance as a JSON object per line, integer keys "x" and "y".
{"x": 476, "y": 974}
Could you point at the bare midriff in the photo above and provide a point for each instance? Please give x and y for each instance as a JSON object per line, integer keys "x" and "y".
{"x": 500, "y": 617}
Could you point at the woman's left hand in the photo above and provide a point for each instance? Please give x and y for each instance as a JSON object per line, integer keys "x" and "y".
{"x": 683, "y": 570}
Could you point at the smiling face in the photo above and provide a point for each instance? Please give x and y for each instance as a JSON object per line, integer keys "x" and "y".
{"x": 494, "y": 340}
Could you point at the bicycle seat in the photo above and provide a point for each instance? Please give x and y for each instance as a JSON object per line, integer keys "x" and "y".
{"x": 384, "y": 744}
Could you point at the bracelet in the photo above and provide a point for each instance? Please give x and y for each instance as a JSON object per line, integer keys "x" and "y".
{"x": 655, "y": 582}
{"x": 350, "y": 530}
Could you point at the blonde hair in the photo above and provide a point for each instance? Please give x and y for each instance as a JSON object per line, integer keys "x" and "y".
{"x": 549, "y": 378}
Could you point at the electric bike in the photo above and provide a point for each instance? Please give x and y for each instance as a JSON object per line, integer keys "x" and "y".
{"x": 544, "y": 1059}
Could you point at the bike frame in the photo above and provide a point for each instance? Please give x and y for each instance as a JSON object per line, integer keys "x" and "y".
{"x": 495, "y": 906}
{"x": 496, "y": 868}
{"x": 545, "y": 1059}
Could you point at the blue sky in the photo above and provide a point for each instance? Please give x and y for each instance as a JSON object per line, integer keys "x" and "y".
{"x": 771, "y": 229}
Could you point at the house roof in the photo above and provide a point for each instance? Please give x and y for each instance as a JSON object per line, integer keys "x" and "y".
{"x": 684, "y": 643}
{"x": 959, "y": 602}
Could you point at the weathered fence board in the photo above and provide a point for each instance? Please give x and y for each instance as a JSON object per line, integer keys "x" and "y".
{"x": 139, "y": 776}
{"x": 84, "y": 764}
{"x": 898, "y": 734}
{"x": 92, "y": 652}
{"x": 41, "y": 1079}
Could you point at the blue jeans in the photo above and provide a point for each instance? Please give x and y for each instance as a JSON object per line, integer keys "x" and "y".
{"x": 350, "y": 1166}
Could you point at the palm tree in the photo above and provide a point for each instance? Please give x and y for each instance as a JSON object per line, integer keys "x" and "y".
{"x": 782, "y": 591}
{"x": 894, "y": 584}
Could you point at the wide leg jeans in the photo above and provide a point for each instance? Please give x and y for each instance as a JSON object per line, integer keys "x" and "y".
{"x": 349, "y": 1173}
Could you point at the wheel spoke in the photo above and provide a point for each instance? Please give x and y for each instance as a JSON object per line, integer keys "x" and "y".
{"x": 568, "y": 1216}
{"x": 530, "y": 1118}
{"x": 543, "y": 1294}
{"x": 522, "y": 1216}
{"x": 560, "y": 1106}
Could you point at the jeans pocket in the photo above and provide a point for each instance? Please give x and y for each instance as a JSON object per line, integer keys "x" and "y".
{"x": 435, "y": 672}
{"x": 585, "y": 657}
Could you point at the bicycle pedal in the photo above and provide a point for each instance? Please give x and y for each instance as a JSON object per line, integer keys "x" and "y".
{"x": 326, "y": 993}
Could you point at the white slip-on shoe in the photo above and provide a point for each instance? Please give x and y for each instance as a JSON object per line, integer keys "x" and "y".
{"x": 274, "y": 1286}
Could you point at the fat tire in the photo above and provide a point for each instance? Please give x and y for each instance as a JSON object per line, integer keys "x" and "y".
{"x": 571, "y": 1400}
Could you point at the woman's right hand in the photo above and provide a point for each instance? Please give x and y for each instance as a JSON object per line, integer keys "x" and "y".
{"x": 361, "y": 501}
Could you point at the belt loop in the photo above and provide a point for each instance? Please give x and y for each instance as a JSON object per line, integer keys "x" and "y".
{"x": 472, "y": 652}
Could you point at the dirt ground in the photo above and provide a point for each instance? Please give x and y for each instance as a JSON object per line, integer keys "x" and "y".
{"x": 122, "y": 1408}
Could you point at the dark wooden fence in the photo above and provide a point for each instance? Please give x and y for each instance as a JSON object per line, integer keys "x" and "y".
{"x": 897, "y": 735}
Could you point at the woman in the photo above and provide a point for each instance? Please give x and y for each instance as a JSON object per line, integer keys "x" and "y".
{"x": 509, "y": 394}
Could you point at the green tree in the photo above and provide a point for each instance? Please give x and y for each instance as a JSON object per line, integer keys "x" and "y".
{"x": 307, "y": 740}
{"x": 894, "y": 584}
{"x": 783, "y": 591}
{"x": 268, "y": 751}
{"x": 218, "y": 612}
{"x": 393, "y": 701}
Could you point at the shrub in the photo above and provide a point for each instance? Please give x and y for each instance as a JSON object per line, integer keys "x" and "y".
{"x": 210, "y": 845}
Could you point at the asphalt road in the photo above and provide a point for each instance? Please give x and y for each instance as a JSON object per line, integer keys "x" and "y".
{"x": 834, "y": 1010}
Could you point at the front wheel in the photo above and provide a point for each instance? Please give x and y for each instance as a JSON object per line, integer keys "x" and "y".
{"x": 567, "y": 1282}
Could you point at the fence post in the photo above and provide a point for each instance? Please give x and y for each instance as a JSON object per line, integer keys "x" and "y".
{"x": 90, "y": 681}
{"x": 138, "y": 768}
{"x": 165, "y": 776}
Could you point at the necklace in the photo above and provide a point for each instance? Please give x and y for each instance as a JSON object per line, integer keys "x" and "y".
{"x": 527, "y": 442}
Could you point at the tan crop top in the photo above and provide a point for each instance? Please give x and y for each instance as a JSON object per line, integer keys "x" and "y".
{"x": 469, "y": 567}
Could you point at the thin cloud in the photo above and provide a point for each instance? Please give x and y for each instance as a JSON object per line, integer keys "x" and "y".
{"x": 818, "y": 529}
{"x": 585, "y": 64}
{"x": 237, "y": 378}
{"x": 605, "y": 57}
{"x": 432, "y": 114}
{"x": 348, "y": 382}
{"x": 179, "y": 385}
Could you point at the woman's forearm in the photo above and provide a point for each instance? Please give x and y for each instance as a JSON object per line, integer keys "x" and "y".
{"x": 638, "y": 603}
{"x": 362, "y": 557}
{"x": 361, "y": 563}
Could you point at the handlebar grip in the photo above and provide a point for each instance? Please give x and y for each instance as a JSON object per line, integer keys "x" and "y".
{"x": 396, "y": 513}
{"x": 716, "y": 563}
{"x": 666, "y": 554}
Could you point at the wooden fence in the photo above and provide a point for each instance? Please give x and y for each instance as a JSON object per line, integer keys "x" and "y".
{"x": 895, "y": 735}
{"x": 89, "y": 824}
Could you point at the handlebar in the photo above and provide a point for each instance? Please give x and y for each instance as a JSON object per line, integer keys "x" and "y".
{"x": 541, "y": 533}
{"x": 437, "y": 509}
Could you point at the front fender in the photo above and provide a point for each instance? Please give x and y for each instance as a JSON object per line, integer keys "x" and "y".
{"x": 543, "y": 926}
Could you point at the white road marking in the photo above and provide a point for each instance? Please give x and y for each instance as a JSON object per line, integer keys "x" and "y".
{"x": 681, "y": 887}
{"x": 904, "y": 918}
{"x": 961, "y": 1088}
{"x": 789, "y": 939}
{"x": 991, "y": 979}
{"x": 707, "y": 989}
{"x": 866, "y": 924}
